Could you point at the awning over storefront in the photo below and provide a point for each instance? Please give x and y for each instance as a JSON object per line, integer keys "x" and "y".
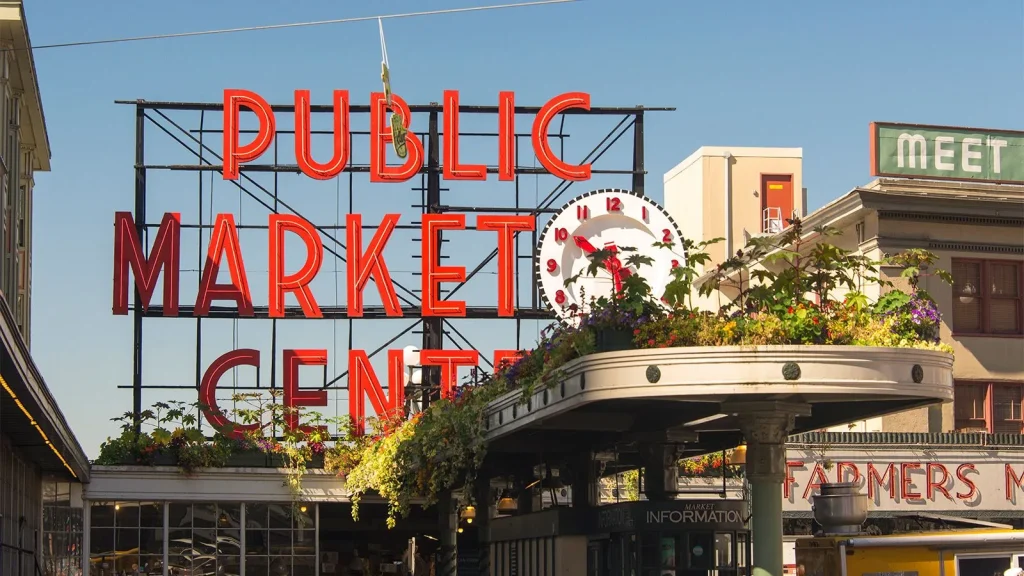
{"x": 29, "y": 416}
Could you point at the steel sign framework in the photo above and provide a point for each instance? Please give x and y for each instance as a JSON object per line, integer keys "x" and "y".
{"x": 189, "y": 134}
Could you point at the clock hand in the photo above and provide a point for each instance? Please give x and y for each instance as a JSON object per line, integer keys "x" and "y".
{"x": 584, "y": 244}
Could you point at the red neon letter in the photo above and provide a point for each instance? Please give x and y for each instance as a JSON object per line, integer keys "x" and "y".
{"x": 506, "y": 358}
{"x": 817, "y": 478}
{"x": 295, "y": 396}
{"x": 874, "y": 477}
{"x": 906, "y": 493}
{"x": 363, "y": 383}
{"x": 208, "y": 390}
{"x": 506, "y": 227}
{"x": 233, "y": 153}
{"x": 452, "y": 169}
{"x": 790, "y": 479}
{"x": 937, "y": 485}
{"x": 506, "y": 136}
{"x": 449, "y": 361}
{"x": 847, "y": 466}
{"x": 164, "y": 255}
{"x": 1012, "y": 479}
{"x": 381, "y": 136}
{"x": 303, "y": 154}
{"x": 224, "y": 237}
{"x": 542, "y": 147}
{"x": 298, "y": 283}
{"x": 961, "y": 474}
{"x": 364, "y": 265}
{"x": 433, "y": 274}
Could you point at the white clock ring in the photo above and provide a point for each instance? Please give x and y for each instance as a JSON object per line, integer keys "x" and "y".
{"x": 608, "y": 220}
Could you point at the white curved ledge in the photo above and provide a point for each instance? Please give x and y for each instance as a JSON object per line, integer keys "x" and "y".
{"x": 827, "y": 374}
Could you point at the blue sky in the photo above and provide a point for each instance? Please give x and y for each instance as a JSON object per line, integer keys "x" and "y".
{"x": 801, "y": 73}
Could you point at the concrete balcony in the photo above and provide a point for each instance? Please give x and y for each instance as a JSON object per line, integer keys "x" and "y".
{"x": 603, "y": 396}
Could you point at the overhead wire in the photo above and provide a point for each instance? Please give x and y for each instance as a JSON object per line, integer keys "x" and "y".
{"x": 298, "y": 24}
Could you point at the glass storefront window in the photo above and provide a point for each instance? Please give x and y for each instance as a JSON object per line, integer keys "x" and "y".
{"x": 202, "y": 539}
{"x": 723, "y": 550}
{"x": 279, "y": 539}
{"x": 62, "y": 529}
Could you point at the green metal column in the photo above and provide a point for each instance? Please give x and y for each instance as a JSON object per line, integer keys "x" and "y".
{"x": 766, "y": 524}
{"x": 447, "y": 564}
{"x": 765, "y": 426}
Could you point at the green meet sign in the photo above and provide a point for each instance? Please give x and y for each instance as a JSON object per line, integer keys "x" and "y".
{"x": 947, "y": 153}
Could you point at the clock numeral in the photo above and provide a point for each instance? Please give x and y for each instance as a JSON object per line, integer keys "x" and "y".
{"x": 560, "y": 297}
{"x": 666, "y": 235}
{"x": 644, "y": 212}
{"x": 561, "y": 234}
{"x": 675, "y": 263}
{"x": 552, "y": 265}
{"x": 582, "y": 212}
{"x": 614, "y": 204}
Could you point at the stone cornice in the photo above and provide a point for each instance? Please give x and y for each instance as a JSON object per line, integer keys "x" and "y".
{"x": 975, "y": 220}
{"x": 904, "y": 439}
{"x": 886, "y": 244}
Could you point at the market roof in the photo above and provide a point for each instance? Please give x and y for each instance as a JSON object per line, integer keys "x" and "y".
{"x": 29, "y": 415}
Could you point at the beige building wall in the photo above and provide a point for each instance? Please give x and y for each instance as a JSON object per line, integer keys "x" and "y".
{"x": 708, "y": 200}
{"x": 24, "y": 150}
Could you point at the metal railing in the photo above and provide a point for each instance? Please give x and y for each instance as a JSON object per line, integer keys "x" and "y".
{"x": 772, "y": 220}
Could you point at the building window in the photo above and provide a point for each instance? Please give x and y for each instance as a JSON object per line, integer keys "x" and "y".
{"x": 987, "y": 297}
{"x": 994, "y": 408}
{"x": 62, "y": 529}
{"x": 279, "y": 540}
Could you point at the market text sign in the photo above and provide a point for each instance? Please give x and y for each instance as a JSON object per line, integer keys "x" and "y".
{"x": 236, "y": 153}
{"x": 912, "y": 483}
{"x": 365, "y": 259}
{"x": 947, "y": 153}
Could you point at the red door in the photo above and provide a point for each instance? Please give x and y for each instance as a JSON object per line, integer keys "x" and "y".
{"x": 776, "y": 202}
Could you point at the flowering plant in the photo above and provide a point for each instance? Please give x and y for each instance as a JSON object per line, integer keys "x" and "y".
{"x": 169, "y": 432}
{"x": 419, "y": 458}
{"x": 708, "y": 466}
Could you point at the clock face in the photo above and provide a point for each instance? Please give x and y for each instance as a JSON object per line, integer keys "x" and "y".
{"x": 603, "y": 220}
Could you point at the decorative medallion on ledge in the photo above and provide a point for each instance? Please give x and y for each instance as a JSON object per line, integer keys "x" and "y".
{"x": 653, "y": 374}
{"x": 791, "y": 371}
{"x": 917, "y": 373}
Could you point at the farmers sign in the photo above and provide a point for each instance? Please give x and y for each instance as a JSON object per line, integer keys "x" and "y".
{"x": 912, "y": 480}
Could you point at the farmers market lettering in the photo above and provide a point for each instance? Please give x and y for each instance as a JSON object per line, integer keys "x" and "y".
{"x": 905, "y": 481}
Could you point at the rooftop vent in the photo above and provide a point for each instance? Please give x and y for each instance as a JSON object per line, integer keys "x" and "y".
{"x": 840, "y": 508}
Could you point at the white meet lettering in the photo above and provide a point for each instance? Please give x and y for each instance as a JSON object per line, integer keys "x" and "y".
{"x": 912, "y": 152}
{"x": 942, "y": 153}
{"x": 912, "y": 142}
{"x": 996, "y": 146}
{"x": 966, "y": 154}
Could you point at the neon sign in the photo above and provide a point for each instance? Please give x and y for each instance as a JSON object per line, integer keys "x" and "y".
{"x": 365, "y": 260}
